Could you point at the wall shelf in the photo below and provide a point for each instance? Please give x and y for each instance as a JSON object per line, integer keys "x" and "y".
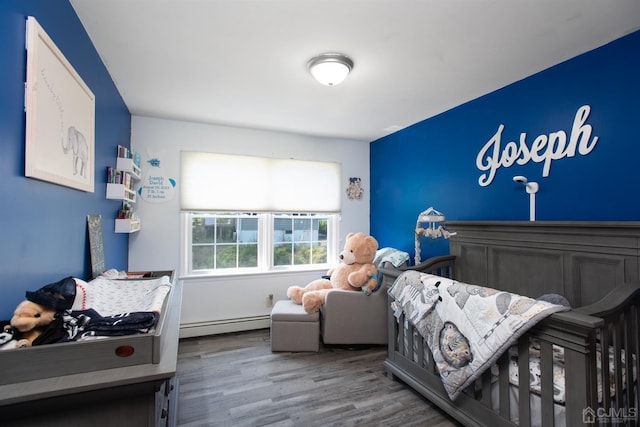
{"x": 120, "y": 192}
{"x": 128, "y": 165}
{"x": 127, "y": 225}
{"x": 120, "y": 186}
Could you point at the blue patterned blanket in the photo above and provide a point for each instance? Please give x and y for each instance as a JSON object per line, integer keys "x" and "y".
{"x": 467, "y": 327}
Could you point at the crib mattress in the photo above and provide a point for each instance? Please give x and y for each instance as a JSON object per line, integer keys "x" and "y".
{"x": 54, "y": 360}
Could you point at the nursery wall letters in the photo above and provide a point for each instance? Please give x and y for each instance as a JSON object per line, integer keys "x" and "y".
{"x": 544, "y": 148}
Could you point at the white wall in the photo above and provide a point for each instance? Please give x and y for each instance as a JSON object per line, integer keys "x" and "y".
{"x": 223, "y": 304}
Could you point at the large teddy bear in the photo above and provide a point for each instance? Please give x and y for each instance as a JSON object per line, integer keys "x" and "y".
{"x": 356, "y": 272}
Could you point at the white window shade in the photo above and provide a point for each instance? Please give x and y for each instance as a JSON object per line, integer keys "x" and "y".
{"x": 224, "y": 182}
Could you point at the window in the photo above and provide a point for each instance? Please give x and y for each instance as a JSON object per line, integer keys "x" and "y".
{"x": 219, "y": 243}
{"x": 257, "y": 214}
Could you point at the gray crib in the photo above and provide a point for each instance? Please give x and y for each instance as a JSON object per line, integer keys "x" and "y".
{"x": 596, "y": 266}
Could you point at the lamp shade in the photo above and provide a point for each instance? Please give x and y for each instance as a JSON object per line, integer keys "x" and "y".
{"x": 330, "y": 69}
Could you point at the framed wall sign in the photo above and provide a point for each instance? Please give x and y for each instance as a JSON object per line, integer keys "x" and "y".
{"x": 60, "y": 109}
{"x": 96, "y": 245}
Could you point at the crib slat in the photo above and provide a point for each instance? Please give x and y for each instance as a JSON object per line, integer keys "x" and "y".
{"x": 419, "y": 345}
{"x": 634, "y": 398}
{"x": 524, "y": 408}
{"x": 409, "y": 338}
{"x": 503, "y": 386}
{"x": 431, "y": 362}
{"x": 628, "y": 353}
{"x": 605, "y": 377}
{"x": 618, "y": 347}
{"x": 485, "y": 396}
{"x": 401, "y": 336}
{"x": 546, "y": 383}
{"x": 393, "y": 327}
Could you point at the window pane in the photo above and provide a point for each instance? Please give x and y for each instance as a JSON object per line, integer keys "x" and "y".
{"x": 282, "y": 254}
{"x": 303, "y": 231}
{"x": 248, "y": 256}
{"x": 322, "y": 229}
{"x": 282, "y": 229}
{"x": 202, "y": 230}
{"x": 226, "y": 256}
{"x": 302, "y": 254}
{"x": 202, "y": 257}
{"x": 248, "y": 230}
{"x": 319, "y": 253}
{"x": 226, "y": 230}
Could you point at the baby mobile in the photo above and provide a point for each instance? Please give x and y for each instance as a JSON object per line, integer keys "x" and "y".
{"x": 434, "y": 229}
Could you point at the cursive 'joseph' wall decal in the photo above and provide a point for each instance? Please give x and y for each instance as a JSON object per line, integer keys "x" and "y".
{"x": 544, "y": 148}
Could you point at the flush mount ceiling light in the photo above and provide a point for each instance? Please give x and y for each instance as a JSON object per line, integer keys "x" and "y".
{"x": 330, "y": 69}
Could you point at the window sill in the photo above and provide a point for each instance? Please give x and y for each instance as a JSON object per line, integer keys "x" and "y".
{"x": 319, "y": 270}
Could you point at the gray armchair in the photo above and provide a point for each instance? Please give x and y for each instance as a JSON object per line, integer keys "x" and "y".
{"x": 349, "y": 317}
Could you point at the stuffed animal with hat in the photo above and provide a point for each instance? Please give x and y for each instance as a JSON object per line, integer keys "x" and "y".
{"x": 37, "y": 320}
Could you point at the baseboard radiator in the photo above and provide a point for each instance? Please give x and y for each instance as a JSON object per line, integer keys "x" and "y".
{"x": 215, "y": 327}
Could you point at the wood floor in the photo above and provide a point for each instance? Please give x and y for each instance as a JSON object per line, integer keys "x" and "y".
{"x": 235, "y": 380}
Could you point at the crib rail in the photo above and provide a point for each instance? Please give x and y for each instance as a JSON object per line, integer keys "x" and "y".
{"x": 440, "y": 265}
{"x": 490, "y": 400}
{"x": 620, "y": 310}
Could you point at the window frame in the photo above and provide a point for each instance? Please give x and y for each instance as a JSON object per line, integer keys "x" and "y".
{"x": 266, "y": 221}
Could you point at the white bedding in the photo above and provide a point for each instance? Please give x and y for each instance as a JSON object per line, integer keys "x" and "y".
{"x": 112, "y": 296}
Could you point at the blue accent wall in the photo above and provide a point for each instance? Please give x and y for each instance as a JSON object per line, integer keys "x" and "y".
{"x": 433, "y": 162}
{"x": 43, "y": 225}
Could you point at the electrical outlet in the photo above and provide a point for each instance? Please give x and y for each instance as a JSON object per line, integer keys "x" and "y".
{"x": 270, "y": 300}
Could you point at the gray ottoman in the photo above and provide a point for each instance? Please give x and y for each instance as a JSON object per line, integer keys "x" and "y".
{"x": 293, "y": 329}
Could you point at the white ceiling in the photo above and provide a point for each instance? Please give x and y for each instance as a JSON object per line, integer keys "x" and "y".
{"x": 243, "y": 62}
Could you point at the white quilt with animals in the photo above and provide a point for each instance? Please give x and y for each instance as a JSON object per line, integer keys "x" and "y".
{"x": 467, "y": 327}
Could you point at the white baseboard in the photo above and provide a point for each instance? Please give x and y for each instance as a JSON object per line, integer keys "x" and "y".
{"x": 224, "y": 326}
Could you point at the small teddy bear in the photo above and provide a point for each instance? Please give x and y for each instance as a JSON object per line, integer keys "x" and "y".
{"x": 29, "y": 321}
{"x": 36, "y": 320}
{"x": 356, "y": 272}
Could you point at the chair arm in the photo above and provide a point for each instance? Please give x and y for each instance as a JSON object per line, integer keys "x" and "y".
{"x": 349, "y": 301}
{"x": 349, "y": 317}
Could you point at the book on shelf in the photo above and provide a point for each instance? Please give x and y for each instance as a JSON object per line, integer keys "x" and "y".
{"x": 115, "y": 176}
{"x": 126, "y": 153}
{"x": 126, "y": 213}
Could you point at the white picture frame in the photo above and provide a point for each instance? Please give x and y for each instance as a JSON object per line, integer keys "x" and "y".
{"x": 60, "y": 116}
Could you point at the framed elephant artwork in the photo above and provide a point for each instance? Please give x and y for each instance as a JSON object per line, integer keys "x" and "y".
{"x": 60, "y": 110}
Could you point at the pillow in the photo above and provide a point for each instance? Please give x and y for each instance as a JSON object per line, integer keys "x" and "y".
{"x": 555, "y": 299}
{"x": 393, "y": 256}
